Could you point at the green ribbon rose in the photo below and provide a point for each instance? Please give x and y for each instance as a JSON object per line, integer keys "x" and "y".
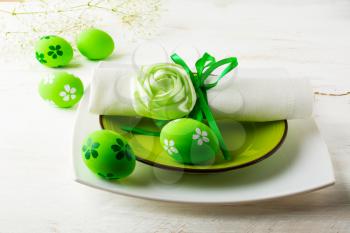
{"x": 163, "y": 91}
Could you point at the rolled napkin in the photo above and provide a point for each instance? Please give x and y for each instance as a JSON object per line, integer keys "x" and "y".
{"x": 249, "y": 95}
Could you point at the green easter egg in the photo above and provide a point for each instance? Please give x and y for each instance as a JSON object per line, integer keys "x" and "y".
{"x": 189, "y": 141}
{"x": 53, "y": 51}
{"x": 61, "y": 89}
{"x": 95, "y": 44}
{"x": 107, "y": 154}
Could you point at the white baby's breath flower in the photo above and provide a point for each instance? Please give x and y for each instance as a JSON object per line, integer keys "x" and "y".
{"x": 23, "y": 23}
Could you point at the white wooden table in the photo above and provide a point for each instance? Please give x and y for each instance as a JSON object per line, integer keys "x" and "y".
{"x": 309, "y": 38}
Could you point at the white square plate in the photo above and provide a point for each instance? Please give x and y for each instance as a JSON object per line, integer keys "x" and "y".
{"x": 301, "y": 165}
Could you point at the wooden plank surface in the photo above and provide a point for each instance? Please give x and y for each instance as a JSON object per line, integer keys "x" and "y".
{"x": 309, "y": 39}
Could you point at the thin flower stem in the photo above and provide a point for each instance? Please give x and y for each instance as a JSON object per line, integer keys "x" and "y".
{"x": 72, "y": 8}
{"x": 34, "y": 18}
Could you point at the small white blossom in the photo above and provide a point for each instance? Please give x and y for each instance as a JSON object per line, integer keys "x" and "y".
{"x": 48, "y": 79}
{"x": 200, "y": 136}
{"x": 68, "y": 93}
{"x": 169, "y": 146}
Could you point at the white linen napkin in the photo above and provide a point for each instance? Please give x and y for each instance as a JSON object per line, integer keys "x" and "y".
{"x": 245, "y": 95}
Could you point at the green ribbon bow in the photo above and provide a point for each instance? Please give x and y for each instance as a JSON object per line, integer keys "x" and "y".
{"x": 205, "y": 66}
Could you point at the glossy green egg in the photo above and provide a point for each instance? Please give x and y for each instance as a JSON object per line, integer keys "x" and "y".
{"x": 107, "y": 154}
{"x": 189, "y": 141}
{"x": 53, "y": 51}
{"x": 95, "y": 44}
{"x": 61, "y": 89}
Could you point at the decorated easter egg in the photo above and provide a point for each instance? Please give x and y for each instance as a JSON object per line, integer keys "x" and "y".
{"x": 95, "y": 44}
{"x": 61, "y": 89}
{"x": 107, "y": 154}
{"x": 53, "y": 51}
{"x": 189, "y": 141}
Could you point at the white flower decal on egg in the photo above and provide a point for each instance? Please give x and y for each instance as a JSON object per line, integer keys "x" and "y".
{"x": 68, "y": 93}
{"x": 200, "y": 136}
{"x": 49, "y": 79}
{"x": 169, "y": 146}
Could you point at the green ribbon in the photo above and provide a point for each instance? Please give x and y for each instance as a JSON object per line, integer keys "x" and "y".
{"x": 204, "y": 67}
{"x": 139, "y": 131}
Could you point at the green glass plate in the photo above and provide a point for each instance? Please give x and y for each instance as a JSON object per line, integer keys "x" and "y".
{"x": 248, "y": 142}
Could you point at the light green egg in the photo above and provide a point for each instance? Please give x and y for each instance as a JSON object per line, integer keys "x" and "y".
{"x": 95, "y": 44}
{"x": 53, "y": 51}
{"x": 108, "y": 154}
{"x": 61, "y": 89}
{"x": 189, "y": 141}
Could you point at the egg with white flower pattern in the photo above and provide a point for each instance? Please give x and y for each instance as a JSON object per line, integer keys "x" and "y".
{"x": 189, "y": 141}
{"x": 61, "y": 89}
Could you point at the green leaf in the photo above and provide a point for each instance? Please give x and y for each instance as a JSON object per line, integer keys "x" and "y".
{"x": 119, "y": 155}
{"x": 120, "y": 142}
{"x": 89, "y": 142}
{"x": 115, "y": 148}
{"x": 94, "y": 153}
{"x": 87, "y": 154}
{"x": 95, "y": 145}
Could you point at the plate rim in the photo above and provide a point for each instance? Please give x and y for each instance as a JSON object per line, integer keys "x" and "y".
{"x": 216, "y": 170}
{"x": 77, "y": 176}
{"x": 206, "y": 202}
